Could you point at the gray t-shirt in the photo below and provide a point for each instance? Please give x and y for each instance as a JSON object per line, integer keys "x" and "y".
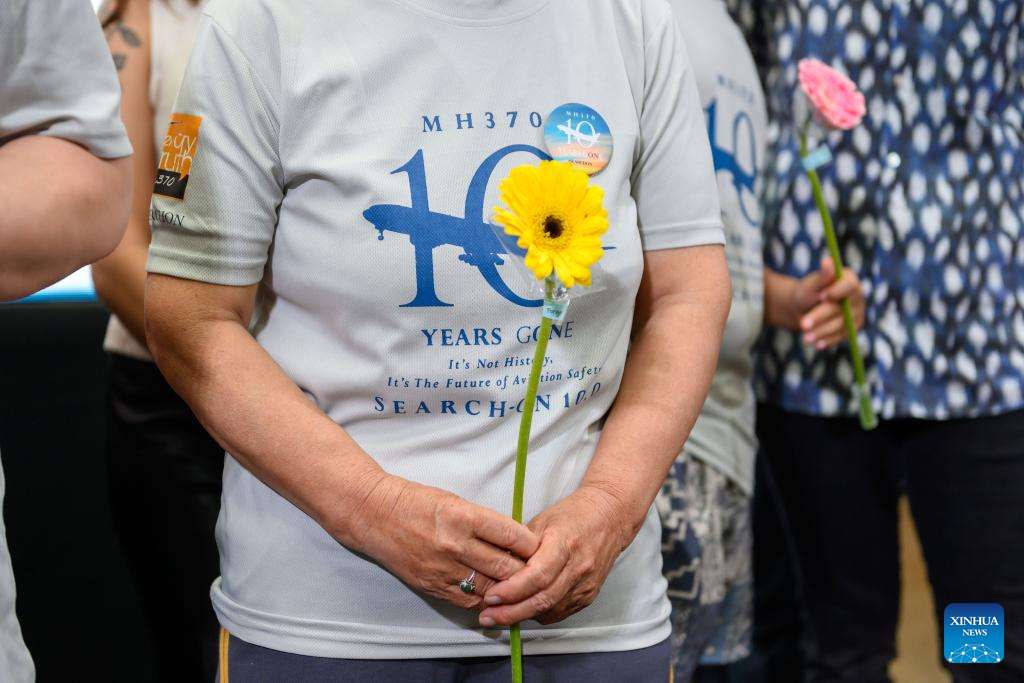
{"x": 733, "y": 102}
{"x": 56, "y": 78}
{"x": 15, "y": 661}
{"x": 346, "y": 155}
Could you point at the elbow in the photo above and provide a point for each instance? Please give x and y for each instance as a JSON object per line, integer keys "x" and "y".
{"x": 167, "y": 323}
{"x": 111, "y": 206}
{"x": 96, "y": 198}
{"x": 66, "y": 230}
{"x": 185, "y": 320}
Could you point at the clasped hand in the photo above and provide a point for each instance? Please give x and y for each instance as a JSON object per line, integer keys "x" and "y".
{"x": 545, "y": 570}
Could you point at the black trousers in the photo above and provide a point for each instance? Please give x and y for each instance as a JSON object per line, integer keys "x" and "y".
{"x": 838, "y": 487}
{"x": 165, "y": 483}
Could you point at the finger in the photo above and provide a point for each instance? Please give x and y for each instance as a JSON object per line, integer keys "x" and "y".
{"x": 830, "y": 342}
{"x": 823, "y": 277}
{"x": 505, "y": 532}
{"x": 570, "y": 605}
{"x": 827, "y": 329}
{"x": 541, "y": 571}
{"x": 825, "y": 274}
{"x": 846, "y": 287}
{"x": 452, "y": 590}
{"x": 809, "y": 286}
{"x": 489, "y": 560}
{"x": 579, "y": 597}
{"x": 834, "y": 335}
{"x": 535, "y": 605}
{"x": 858, "y": 315}
{"x": 819, "y": 314}
{"x": 828, "y": 270}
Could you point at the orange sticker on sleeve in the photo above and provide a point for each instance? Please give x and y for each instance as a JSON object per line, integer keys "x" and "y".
{"x": 176, "y": 156}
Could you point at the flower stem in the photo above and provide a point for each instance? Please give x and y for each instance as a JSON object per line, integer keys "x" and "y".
{"x": 522, "y": 450}
{"x": 868, "y": 419}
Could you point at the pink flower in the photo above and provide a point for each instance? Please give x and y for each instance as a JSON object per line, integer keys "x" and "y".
{"x": 835, "y": 97}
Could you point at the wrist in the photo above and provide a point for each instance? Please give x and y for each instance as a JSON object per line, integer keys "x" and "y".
{"x": 793, "y": 309}
{"x": 353, "y": 515}
{"x": 782, "y": 301}
{"x": 623, "y": 512}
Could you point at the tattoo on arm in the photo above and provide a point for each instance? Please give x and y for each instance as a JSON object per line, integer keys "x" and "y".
{"x": 130, "y": 38}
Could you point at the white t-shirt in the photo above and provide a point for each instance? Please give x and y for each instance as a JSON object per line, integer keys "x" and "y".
{"x": 346, "y": 156}
{"x": 56, "y": 79}
{"x": 172, "y": 25}
{"x": 737, "y": 120}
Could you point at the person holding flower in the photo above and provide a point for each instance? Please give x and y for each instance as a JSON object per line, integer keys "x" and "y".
{"x": 927, "y": 195}
{"x": 328, "y": 294}
{"x": 705, "y": 504}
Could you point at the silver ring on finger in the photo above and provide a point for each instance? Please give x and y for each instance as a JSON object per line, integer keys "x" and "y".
{"x": 468, "y": 584}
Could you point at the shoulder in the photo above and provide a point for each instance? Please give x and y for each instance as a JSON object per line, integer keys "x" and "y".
{"x": 256, "y": 35}
{"x": 653, "y": 15}
{"x": 258, "y": 27}
{"x": 642, "y": 14}
{"x": 238, "y": 17}
{"x": 637, "y": 23}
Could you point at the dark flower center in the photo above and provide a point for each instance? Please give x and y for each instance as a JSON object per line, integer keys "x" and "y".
{"x": 553, "y": 227}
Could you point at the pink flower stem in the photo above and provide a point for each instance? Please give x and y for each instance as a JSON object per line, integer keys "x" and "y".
{"x": 868, "y": 419}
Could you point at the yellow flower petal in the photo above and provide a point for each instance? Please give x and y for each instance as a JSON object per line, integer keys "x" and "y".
{"x": 539, "y": 262}
{"x": 563, "y": 271}
{"x": 557, "y": 216}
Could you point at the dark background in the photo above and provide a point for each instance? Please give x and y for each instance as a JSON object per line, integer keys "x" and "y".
{"x": 78, "y": 609}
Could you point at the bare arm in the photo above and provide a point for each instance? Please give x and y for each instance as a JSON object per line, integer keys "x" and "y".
{"x": 429, "y": 538}
{"x": 199, "y": 338}
{"x": 121, "y": 277}
{"x": 681, "y": 311}
{"x": 63, "y": 208}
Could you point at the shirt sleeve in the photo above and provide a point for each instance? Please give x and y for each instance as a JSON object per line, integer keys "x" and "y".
{"x": 57, "y": 77}
{"x": 218, "y": 186}
{"x": 673, "y": 178}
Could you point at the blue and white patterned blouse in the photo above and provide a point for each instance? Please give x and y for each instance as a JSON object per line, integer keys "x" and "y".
{"x": 927, "y": 195}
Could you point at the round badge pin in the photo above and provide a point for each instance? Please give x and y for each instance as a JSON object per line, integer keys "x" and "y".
{"x": 578, "y": 134}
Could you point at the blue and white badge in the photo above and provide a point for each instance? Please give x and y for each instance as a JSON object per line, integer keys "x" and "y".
{"x": 578, "y": 134}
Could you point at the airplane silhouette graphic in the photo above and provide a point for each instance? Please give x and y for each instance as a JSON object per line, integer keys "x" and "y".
{"x": 484, "y": 245}
{"x": 428, "y": 230}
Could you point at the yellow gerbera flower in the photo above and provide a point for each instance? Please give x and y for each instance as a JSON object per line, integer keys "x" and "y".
{"x": 558, "y": 218}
